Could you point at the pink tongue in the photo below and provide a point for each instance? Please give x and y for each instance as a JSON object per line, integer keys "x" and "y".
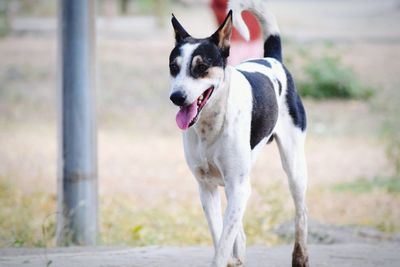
{"x": 186, "y": 115}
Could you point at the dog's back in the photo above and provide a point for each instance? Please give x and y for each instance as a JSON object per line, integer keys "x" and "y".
{"x": 273, "y": 89}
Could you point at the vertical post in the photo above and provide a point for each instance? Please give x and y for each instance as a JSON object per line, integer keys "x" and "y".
{"x": 77, "y": 182}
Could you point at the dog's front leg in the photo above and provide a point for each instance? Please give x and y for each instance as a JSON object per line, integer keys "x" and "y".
{"x": 237, "y": 192}
{"x": 239, "y": 247}
{"x": 211, "y": 202}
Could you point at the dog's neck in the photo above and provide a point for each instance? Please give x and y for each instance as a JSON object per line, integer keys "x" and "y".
{"x": 212, "y": 117}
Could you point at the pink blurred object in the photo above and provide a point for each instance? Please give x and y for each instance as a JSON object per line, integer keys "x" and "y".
{"x": 240, "y": 49}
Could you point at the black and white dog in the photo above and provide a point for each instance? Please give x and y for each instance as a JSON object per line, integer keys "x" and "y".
{"x": 227, "y": 114}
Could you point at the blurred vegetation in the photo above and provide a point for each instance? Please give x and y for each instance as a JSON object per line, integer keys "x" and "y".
{"x": 323, "y": 75}
{"x": 124, "y": 221}
{"x": 30, "y": 8}
{"x": 363, "y": 202}
{"x": 389, "y": 185}
{"x": 26, "y": 219}
{"x": 271, "y": 210}
{"x": 393, "y": 152}
{"x": 391, "y": 125}
{"x": 391, "y": 129}
{"x": 129, "y": 7}
{"x": 109, "y": 8}
{"x": 43, "y": 8}
{"x": 327, "y": 77}
{"x": 4, "y": 17}
{"x": 29, "y": 220}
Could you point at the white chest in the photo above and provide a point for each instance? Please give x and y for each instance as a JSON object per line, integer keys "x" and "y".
{"x": 203, "y": 158}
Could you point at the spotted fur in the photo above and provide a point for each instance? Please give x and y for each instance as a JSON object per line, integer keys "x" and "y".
{"x": 249, "y": 105}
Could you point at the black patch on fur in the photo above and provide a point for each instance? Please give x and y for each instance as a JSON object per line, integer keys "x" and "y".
{"x": 293, "y": 101}
{"x": 173, "y": 68}
{"x": 211, "y": 57}
{"x": 209, "y": 53}
{"x": 207, "y": 50}
{"x": 175, "y": 53}
{"x": 264, "y": 113}
{"x": 261, "y": 62}
{"x": 280, "y": 87}
{"x": 273, "y": 47}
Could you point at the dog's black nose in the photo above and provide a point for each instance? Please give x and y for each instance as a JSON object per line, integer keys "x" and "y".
{"x": 178, "y": 98}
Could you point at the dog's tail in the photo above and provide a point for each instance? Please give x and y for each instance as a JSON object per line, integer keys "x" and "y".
{"x": 269, "y": 25}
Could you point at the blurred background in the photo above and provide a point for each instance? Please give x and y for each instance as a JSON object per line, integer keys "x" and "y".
{"x": 345, "y": 57}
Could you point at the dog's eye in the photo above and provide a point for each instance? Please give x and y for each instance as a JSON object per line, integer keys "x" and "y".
{"x": 201, "y": 68}
{"x": 174, "y": 69}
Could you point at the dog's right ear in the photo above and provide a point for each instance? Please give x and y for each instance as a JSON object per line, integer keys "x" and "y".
{"x": 180, "y": 32}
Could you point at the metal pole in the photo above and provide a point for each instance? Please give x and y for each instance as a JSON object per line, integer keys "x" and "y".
{"x": 77, "y": 183}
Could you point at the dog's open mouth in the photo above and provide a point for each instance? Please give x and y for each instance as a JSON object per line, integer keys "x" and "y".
{"x": 187, "y": 115}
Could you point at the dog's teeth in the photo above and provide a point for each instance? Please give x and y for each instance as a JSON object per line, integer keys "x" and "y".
{"x": 201, "y": 97}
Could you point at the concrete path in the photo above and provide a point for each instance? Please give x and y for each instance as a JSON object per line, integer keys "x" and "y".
{"x": 343, "y": 255}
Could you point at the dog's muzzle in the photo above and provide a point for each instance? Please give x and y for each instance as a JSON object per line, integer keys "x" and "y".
{"x": 188, "y": 113}
{"x": 178, "y": 98}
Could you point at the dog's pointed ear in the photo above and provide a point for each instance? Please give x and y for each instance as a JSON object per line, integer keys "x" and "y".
{"x": 222, "y": 37}
{"x": 180, "y": 32}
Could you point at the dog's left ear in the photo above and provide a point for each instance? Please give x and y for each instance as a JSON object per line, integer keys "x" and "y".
{"x": 222, "y": 37}
{"x": 180, "y": 32}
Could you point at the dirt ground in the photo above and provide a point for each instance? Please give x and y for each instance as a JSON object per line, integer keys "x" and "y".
{"x": 365, "y": 255}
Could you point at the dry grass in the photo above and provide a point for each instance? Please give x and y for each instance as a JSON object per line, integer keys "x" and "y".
{"x": 25, "y": 219}
{"x": 143, "y": 205}
{"x": 376, "y": 208}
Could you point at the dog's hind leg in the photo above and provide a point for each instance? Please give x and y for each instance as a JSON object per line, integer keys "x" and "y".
{"x": 291, "y": 147}
{"x": 211, "y": 202}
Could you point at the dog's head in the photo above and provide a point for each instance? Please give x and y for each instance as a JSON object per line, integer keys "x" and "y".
{"x": 197, "y": 69}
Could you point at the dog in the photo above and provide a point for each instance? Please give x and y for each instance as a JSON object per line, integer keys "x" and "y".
{"x": 227, "y": 115}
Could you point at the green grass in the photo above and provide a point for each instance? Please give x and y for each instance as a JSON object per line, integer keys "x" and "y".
{"x": 390, "y": 185}
{"x": 327, "y": 77}
{"x": 321, "y": 74}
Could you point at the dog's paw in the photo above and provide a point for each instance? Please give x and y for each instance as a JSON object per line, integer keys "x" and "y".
{"x": 231, "y": 263}
{"x": 235, "y": 263}
{"x": 300, "y": 256}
